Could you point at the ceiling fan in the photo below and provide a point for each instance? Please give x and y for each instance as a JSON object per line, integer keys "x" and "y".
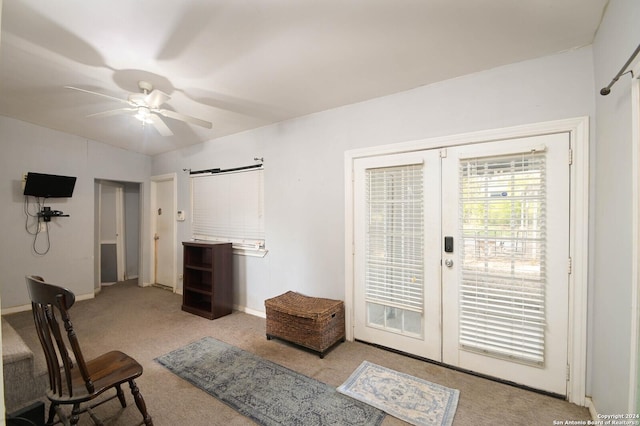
{"x": 146, "y": 106}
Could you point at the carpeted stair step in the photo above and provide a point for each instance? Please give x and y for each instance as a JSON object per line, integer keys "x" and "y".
{"x": 22, "y": 384}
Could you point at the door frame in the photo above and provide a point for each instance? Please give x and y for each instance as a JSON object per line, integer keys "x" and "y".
{"x": 634, "y": 369}
{"x": 578, "y": 129}
{"x": 120, "y": 230}
{"x": 154, "y": 226}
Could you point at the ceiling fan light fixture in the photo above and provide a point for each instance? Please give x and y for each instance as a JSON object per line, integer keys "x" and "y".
{"x": 144, "y": 115}
{"x": 147, "y": 108}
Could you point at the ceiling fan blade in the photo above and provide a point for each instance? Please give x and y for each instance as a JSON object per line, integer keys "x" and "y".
{"x": 186, "y": 118}
{"x": 156, "y": 98}
{"x": 113, "y": 98}
{"x": 160, "y": 125}
{"x": 111, "y": 112}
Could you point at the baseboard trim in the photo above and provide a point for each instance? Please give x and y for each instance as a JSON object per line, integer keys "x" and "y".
{"x": 249, "y": 311}
{"x": 22, "y": 308}
{"x": 592, "y": 408}
{"x": 16, "y": 309}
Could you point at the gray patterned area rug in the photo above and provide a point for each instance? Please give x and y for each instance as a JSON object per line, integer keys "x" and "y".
{"x": 266, "y": 392}
{"x": 406, "y": 397}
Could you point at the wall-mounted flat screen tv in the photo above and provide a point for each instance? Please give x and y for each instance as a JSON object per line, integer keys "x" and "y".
{"x": 49, "y": 186}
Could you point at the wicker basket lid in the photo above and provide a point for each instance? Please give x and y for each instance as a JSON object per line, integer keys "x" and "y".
{"x": 302, "y": 306}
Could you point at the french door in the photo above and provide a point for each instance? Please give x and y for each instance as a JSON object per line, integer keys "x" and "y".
{"x": 397, "y": 271}
{"x": 461, "y": 256}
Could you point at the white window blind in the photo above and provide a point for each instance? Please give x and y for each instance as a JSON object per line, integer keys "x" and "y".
{"x": 394, "y": 245}
{"x": 502, "y": 209}
{"x": 229, "y": 207}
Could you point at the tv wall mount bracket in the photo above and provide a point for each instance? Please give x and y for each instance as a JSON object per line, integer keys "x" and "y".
{"x": 46, "y": 214}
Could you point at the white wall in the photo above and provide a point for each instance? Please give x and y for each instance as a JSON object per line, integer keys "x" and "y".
{"x": 617, "y": 38}
{"x": 70, "y": 261}
{"x": 304, "y": 160}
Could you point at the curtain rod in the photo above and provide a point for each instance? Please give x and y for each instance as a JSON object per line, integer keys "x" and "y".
{"x": 606, "y": 90}
{"x": 218, "y": 170}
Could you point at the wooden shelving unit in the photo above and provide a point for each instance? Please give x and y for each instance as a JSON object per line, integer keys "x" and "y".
{"x": 207, "y": 279}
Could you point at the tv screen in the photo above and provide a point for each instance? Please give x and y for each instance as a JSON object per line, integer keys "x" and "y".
{"x": 49, "y": 186}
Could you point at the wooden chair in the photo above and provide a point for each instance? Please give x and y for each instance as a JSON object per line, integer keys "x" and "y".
{"x": 79, "y": 382}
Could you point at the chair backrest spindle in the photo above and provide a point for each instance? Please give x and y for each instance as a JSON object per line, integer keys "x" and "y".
{"x": 46, "y": 300}
{"x": 53, "y": 367}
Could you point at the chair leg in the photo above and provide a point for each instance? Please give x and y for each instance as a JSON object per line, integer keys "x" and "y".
{"x": 123, "y": 402}
{"x": 137, "y": 397}
{"x": 56, "y": 410}
{"x": 75, "y": 414}
{"x": 52, "y": 414}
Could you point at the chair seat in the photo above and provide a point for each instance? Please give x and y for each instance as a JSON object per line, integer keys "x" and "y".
{"x": 106, "y": 371}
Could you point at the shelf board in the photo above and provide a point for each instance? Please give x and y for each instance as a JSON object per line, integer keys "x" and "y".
{"x": 199, "y": 290}
{"x": 201, "y": 267}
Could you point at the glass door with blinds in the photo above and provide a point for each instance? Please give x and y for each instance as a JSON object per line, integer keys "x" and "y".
{"x": 507, "y": 203}
{"x": 396, "y": 271}
{"x": 493, "y": 299}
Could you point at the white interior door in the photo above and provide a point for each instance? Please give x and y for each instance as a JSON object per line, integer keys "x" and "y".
{"x": 121, "y": 247}
{"x": 494, "y": 298}
{"x": 112, "y": 247}
{"x": 164, "y": 232}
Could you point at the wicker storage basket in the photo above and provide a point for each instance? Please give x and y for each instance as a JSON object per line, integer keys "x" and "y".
{"x": 312, "y": 322}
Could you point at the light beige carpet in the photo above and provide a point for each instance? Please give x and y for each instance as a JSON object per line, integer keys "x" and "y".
{"x": 147, "y": 323}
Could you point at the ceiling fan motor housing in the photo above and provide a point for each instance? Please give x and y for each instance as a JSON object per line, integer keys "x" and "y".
{"x": 145, "y": 86}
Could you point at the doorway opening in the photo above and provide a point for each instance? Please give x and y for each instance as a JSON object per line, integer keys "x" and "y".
{"x": 118, "y": 232}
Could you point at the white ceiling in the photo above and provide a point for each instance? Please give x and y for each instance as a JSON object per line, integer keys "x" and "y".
{"x": 242, "y": 64}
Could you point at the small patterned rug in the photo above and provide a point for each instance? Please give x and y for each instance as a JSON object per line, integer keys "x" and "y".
{"x": 266, "y": 392}
{"x": 408, "y": 398}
